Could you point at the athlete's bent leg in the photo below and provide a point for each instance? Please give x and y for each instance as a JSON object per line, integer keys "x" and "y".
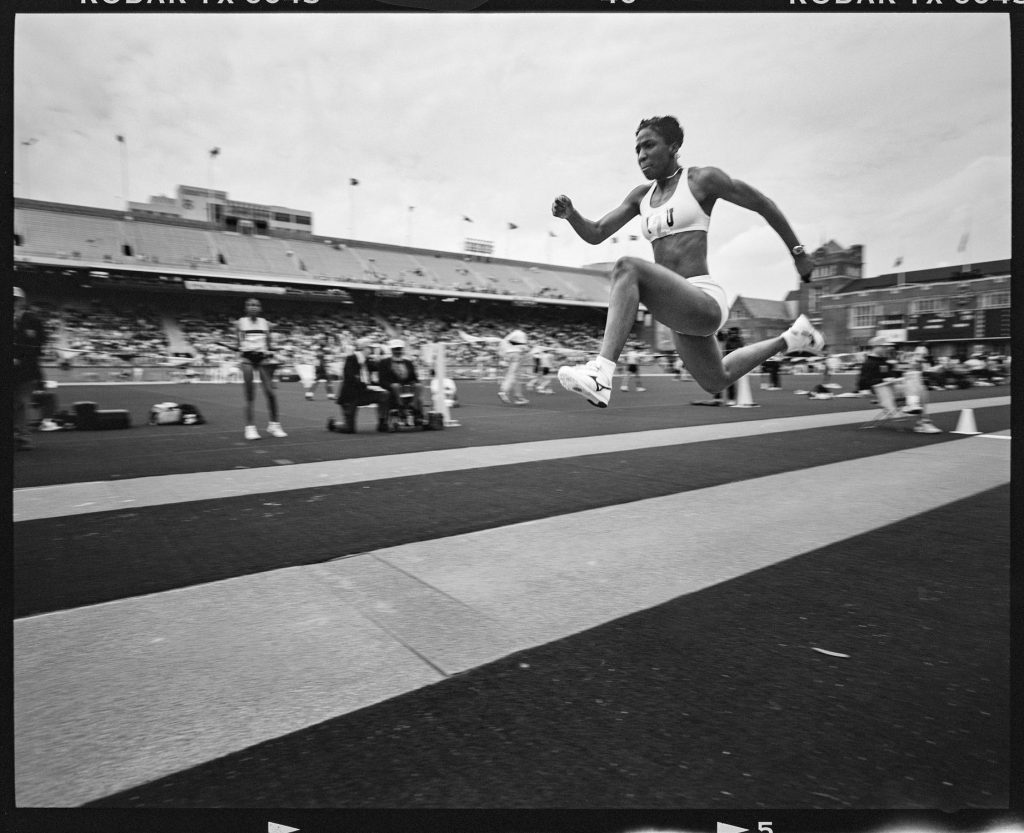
{"x": 670, "y": 297}
{"x": 672, "y": 300}
{"x": 702, "y": 356}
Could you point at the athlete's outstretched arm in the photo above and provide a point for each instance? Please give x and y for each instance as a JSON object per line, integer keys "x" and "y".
{"x": 597, "y": 231}
{"x": 717, "y": 183}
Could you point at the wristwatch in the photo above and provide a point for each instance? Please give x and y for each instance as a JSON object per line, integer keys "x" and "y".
{"x": 798, "y": 249}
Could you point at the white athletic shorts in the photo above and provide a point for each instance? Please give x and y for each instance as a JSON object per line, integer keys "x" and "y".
{"x": 709, "y": 287}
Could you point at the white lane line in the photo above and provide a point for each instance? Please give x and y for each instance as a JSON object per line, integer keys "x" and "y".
{"x": 40, "y": 502}
{"x": 114, "y": 695}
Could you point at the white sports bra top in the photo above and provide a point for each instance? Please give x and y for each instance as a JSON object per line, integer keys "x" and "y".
{"x": 681, "y": 212}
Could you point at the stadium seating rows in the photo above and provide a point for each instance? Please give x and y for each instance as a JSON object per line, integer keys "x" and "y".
{"x": 90, "y": 235}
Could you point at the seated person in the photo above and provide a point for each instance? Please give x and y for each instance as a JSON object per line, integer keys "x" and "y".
{"x": 398, "y": 375}
{"x": 359, "y": 387}
{"x": 938, "y": 374}
{"x": 879, "y": 370}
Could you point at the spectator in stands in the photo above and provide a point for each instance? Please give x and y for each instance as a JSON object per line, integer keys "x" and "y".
{"x": 255, "y": 347}
{"x": 29, "y": 339}
{"x": 359, "y": 387}
{"x": 675, "y": 215}
{"x": 398, "y": 377}
{"x": 879, "y": 368}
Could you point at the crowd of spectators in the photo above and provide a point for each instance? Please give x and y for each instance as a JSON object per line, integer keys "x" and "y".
{"x": 103, "y": 334}
{"x": 96, "y": 333}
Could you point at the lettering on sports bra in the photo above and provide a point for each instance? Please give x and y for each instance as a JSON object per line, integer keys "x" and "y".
{"x": 660, "y": 221}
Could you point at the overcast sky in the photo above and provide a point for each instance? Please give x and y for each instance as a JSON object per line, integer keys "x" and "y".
{"x": 892, "y": 131}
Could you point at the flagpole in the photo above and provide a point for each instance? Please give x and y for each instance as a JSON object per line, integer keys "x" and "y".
{"x": 28, "y": 166}
{"x": 352, "y": 183}
{"x": 214, "y": 153}
{"x": 124, "y": 170}
{"x": 408, "y": 233}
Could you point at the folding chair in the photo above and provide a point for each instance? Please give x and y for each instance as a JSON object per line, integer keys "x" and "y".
{"x": 891, "y": 412}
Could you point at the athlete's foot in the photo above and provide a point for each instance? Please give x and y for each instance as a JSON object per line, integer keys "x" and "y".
{"x": 275, "y": 429}
{"x": 640, "y": 390}
{"x": 802, "y": 337}
{"x": 925, "y": 426}
{"x": 522, "y": 401}
{"x": 251, "y": 433}
{"x": 309, "y": 395}
{"x": 504, "y": 397}
{"x": 589, "y": 381}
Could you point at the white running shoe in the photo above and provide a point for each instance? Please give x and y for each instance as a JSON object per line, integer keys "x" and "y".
{"x": 587, "y": 380}
{"x": 801, "y": 336}
{"x": 504, "y": 397}
{"x": 624, "y": 387}
{"x": 251, "y": 433}
{"x": 309, "y": 395}
{"x": 275, "y": 429}
{"x": 925, "y": 426}
{"x": 522, "y": 401}
{"x": 640, "y": 390}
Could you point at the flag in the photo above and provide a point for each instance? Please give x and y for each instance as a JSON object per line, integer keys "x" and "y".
{"x": 963, "y": 242}
{"x": 353, "y": 181}
{"x": 897, "y": 262}
{"x": 552, "y": 234}
{"x": 120, "y": 138}
{"x": 215, "y": 152}
{"x": 512, "y": 226}
{"x": 466, "y": 219}
{"x": 615, "y": 240}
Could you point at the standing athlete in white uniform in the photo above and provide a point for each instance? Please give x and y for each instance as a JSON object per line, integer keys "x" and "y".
{"x": 256, "y": 356}
{"x": 675, "y": 213}
{"x": 513, "y": 349}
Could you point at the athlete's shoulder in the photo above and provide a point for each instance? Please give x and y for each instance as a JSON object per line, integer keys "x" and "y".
{"x": 708, "y": 175}
{"x": 709, "y": 182}
{"x": 635, "y": 196}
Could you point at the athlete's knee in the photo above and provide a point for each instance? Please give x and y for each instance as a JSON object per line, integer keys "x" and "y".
{"x": 626, "y": 268}
{"x": 710, "y": 382}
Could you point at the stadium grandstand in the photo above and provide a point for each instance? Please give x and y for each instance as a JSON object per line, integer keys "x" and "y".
{"x": 145, "y": 287}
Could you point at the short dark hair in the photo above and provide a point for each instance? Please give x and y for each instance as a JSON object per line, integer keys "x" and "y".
{"x": 667, "y": 127}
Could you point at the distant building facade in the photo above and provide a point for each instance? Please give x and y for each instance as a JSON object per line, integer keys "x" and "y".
{"x": 759, "y": 318}
{"x": 208, "y": 205}
{"x": 954, "y": 310}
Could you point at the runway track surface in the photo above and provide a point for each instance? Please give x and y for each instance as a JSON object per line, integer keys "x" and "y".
{"x": 657, "y": 606}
